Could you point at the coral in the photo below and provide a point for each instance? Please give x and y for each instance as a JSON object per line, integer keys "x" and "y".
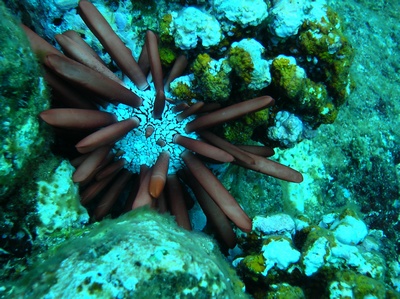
{"x": 288, "y": 16}
{"x": 316, "y": 81}
{"x": 325, "y": 253}
{"x": 287, "y": 129}
{"x": 232, "y": 14}
{"x": 317, "y": 249}
{"x": 272, "y": 249}
{"x": 287, "y": 76}
{"x": 181, "y": 89}
{"x": 308, "y": 99}
{"x": 240, "y": 61}
{"x": 350, "y": 284}
{"x": 277, "y": 224}
{"x": 139, "y": 255}
{"x": 325, "y": 42}
{"x": 350, "y": 230}
{"x": 192, "y": 25}
{"x": 309, "y": 31}
{"x": 245, "y": 57}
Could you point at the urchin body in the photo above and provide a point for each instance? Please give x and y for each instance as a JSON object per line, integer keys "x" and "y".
{"x": 142, "y": 131}
{"x": 143, "y": 144}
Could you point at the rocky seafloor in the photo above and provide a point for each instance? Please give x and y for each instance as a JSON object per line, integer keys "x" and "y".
{"x": 335, "y": 235}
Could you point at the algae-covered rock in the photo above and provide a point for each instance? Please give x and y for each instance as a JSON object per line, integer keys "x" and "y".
{"x": 40, "y": 213}
{"x": 352, "y": 285}
{"x": 307, "y": 98}
{"x": 58, "y": 205}
{"x": 339, "y": 256}
{"x": 139, "y": 255}
{"x": 22, "y": 97}
{"x": 329, "y": 47}
{"x": 212, "y": 78}
{"x": 285, "y": 290}
{"x": 246, "y": 58}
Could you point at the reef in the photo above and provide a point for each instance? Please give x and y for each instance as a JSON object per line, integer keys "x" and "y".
{"x": 338, "y": 257}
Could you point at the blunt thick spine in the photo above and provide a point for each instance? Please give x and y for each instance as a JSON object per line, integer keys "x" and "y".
{"x": 217, "y": 192}
{"x": 229, "y": 113}
{"x": 112, "y": 43}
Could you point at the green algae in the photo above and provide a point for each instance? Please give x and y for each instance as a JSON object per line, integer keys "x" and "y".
{"x": 326, "y": 41}
{"x": 241, "y": 62}
{"x": 22, "y": 97}
{"x": 212, "y": 77}
{"x": 284, "y": 291}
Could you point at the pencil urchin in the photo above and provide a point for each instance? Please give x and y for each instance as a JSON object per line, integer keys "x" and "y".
{"x": 129, "y": 126}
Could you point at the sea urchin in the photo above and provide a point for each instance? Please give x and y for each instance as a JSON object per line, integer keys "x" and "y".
{"x": 139, "y": 130}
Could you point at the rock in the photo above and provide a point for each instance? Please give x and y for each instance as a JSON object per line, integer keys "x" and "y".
{"x": 139, "y": 255}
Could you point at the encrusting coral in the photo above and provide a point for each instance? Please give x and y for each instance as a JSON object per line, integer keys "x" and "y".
{"x": 339, "y": 257}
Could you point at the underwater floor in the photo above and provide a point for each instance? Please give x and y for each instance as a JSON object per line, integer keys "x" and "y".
{"x": 335, "y": 235}
{"x": 360, "y": 151}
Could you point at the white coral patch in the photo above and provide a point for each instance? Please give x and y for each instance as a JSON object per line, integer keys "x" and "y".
{"x": 242, "y": 12}
{"x": 274, "y": 224}
{"x": 288, "y": 15}
{"x": 316, "y": 256}
{"x": 192, "y": 25}
{"x": 279, "y": 253}
{"x": 288, "y": 129}
{"x": 260, "y": 76}
{"x": 350, "y": 230}
{"x": 58, "y": 202}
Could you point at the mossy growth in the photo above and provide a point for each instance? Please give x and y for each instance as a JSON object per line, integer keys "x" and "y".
{"x": 23, "y": 96}
{"x": 255, "y": 263}
{"x": 285, "y": 291}
{"x": 315, "y": 104}
{"x": 240, "y": 131}
{"x": 242, "y": 64}
{"x": 212, "y": 78}
{"x": 306, "y": 98}
{"x": 183, "y": 92}
{"x": 286, "y": 78}
{"x": 167, "y": 56}
{"x": 165, "y": 34}
{"x": 348, "y": 212}
{"x": 314, "y": 233}
{"x": 325, "y": 41}
{"x": 361, "y": 285}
